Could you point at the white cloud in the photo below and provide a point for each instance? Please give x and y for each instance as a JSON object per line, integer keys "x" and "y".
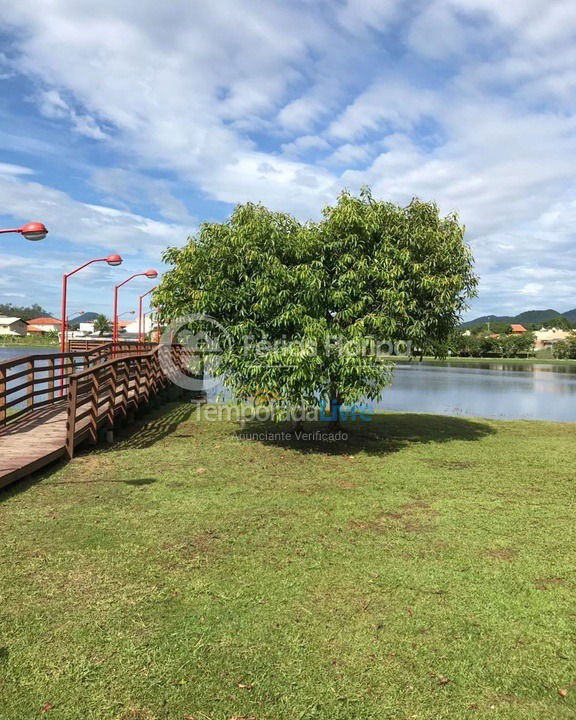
{"x": 53, "y": 106}
{"x": 356, "y": 15}
{"x": 349, "y": 154}
{"x": 303, "y": 144}
{"x": 387, "y": 104}
{"x": 133, "y": 188}
{"x": 9, "y": 169}
{"x": 80, "y": 223}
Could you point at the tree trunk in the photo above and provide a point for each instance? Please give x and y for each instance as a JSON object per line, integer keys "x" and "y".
{"x": 335, "y": 403}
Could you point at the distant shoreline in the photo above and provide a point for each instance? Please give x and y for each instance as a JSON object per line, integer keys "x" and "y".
{"x": 493, "y": 360}
{"x": 28, "y": 342}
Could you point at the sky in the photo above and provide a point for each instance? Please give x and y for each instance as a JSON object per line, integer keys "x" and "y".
{"x": 124, "y": 124}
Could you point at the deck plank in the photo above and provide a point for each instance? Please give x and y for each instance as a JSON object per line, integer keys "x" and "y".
{"x": 35, "y": 440}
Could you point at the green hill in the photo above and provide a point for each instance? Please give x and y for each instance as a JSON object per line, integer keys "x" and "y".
{"x": 84, "y": 318}
{"x": 528, "y": 317}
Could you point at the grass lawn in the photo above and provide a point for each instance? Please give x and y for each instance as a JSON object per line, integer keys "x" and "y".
{"x": 188, "y": 573}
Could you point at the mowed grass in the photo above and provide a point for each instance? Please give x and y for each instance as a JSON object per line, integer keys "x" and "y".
{"x": 425, "y": 571}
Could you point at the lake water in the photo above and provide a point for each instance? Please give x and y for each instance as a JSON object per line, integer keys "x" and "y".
{"x": 530, "y": 391}
{"x": 516, "y": 391}
{"x": 9, "y": 352}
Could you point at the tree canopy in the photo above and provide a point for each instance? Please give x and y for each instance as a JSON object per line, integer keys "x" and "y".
{"x": 23, "y": 311}
{"x": 560, "y": 323}
{"x": 315, "y": 298}
{"x": 102, "y": 324}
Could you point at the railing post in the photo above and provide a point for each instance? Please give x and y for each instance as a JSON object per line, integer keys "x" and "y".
{"x": 2, "y": 395}
{"x": 30, "y": 380}
{"x": 71, "y": 420}
{"x": 94, "y": 395}
{"x": 50, "y": 385}
{"x": 112, "y": 395}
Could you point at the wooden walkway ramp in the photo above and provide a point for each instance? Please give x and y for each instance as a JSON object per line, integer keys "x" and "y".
{"x": 51, "y": 403}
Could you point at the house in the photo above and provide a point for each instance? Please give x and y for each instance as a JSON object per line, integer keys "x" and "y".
{"x": 548, "y": 337}
{"x": 42, "y": 325}
{"x": 132, "y": 327}
{"x": 517, "y": 329}
{"x": 13, "y": 326}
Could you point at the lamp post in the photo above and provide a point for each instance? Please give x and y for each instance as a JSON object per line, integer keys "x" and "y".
{"x": 152, "y": 274}
{"x": 141, "y": 324}
{"x": 32, "y": 231}
{"x": 112, "y": 260}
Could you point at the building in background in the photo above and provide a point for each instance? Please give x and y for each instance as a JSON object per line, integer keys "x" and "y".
{"x": 13, "y": 326}
{"x": 548, "y": 337}
{"x": 43, "y": 325}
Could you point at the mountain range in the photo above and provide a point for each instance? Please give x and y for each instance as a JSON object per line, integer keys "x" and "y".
{"x": 524, "y": 318}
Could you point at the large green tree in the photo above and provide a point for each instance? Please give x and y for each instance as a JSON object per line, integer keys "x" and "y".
{"x": 319, "y": 296}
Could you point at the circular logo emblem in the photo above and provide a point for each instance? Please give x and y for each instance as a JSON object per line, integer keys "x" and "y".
{"x": 190, "y": 348}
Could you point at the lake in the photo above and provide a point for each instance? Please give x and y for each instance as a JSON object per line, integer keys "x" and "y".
{"x": 529, "y": 391}
{"x": 11, "y": 351}
{"x": 513, "y": 391}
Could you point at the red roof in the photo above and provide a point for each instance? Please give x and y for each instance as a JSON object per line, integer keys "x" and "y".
{"x": 518, "y": 328}
{"x": 38, "y": 329}
{"x": 44, "y": 321}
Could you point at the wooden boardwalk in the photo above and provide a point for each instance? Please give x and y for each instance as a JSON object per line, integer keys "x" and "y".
{"x": 49, "y": 404}
{"x": 30, "y": 443}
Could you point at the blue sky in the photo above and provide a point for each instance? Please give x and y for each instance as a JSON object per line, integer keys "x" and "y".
{"x": 126, "y": 123}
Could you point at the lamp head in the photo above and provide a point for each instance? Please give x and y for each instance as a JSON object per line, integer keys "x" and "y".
{"x": 34, "y": 231}
{"x": 114, "y": 260}
{"x": 151, "y": 274}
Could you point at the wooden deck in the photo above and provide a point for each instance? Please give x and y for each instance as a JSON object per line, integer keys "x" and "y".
{"x": 46, "y": 425}
{"x": 31, "y": 442}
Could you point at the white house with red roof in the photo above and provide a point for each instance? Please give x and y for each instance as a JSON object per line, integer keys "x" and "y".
{"x": 42, "y": 325}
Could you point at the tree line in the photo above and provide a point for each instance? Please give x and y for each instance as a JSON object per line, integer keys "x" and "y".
{"x": 506, "y": 345}
{"x": 23, "y": 311}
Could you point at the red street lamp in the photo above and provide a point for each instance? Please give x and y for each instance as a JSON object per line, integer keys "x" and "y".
{"x": 32, "y": 231}
{"x": 141, "y": 324}
{"x": 152, "y": 274}
{"x": 112, "y": 260}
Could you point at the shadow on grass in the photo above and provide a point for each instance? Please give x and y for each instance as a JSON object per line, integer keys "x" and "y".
{"x": 143, "y": 433}
{"x": 139, "y": 482}
{"x": 146, "y": 432}
{"x": 384, "y": 434}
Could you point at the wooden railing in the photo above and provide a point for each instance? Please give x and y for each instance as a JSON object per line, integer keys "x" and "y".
{"x": 31, "y": 382}
{"x": 34, "y": 381}
{"x": 100, "y": 394}
{"x": 123, "y": 346}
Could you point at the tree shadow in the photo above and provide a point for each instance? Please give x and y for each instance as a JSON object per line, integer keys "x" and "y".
{"x": 145, "y": 433}
{"x": 382, "y": 435}
{"x": 140, "y": 482}
{"x": 25, "y": 483}
{"x": 139, "y": 435}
